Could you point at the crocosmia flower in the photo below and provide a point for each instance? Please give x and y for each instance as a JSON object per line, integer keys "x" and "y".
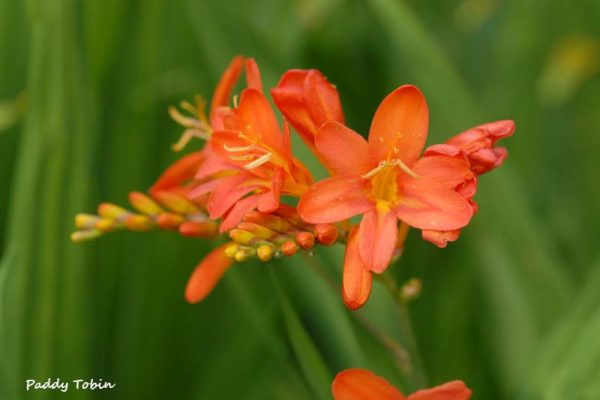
{"x": 361, "y": 384}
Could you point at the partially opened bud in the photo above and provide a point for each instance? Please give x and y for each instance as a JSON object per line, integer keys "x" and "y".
{"x": 305, "y": 240}
{"x": 289, "y": 248}
{"x": 207, "y": 274}
{"x": 357, "y": 279}
{"x": 440, "y": 238}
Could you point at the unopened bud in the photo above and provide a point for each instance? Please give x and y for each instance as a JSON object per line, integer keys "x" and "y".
{"x": 106, "y": 225}
{"x": 327, "y": 234}
{"x": 144, "y": 204}
{"x": 257, "y": 229}
{"x": 245, "y": 253}
{"x": 85, "y": 221}
{"x": 139, "y": 223}
{"x": 206, "y": 229}
{"x": 231, "y": 250}
{"x": 411, "y": 289}
{"x": 273, "y": 222}
{"x": 82, "y": 236}
{"x": 169, "y": 220}
{"x": 175, "y": 202}
{"x": 305, "y": 240}
{"x": 265, "y": 252}
{"x": 289, "y": 248}
{"x": 111, "y": 211}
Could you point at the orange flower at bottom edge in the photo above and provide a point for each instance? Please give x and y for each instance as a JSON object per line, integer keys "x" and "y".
{"x": 361, "y": 384}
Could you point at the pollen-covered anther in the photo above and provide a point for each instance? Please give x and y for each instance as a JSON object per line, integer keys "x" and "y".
{"x": 240, "y": 149}
{"x": 144, "y": 204}
{"x": 289, "y": 248}
{"x": 169, "y": 221}
{"x": 265, "y": 252}
{"x": 327, "y": 234}
{"x": 305, "y": 240}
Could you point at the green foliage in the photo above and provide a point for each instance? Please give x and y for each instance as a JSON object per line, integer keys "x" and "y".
{"x": 511, "y": 308}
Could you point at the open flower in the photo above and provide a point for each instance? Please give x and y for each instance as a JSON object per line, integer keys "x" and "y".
{"x": 385, "y": 180}
{"x": 361, "y": 384}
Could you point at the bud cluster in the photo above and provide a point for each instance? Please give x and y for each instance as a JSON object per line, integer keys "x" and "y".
{"x": 267, "y": 235}
{"x": 164, "y": 210}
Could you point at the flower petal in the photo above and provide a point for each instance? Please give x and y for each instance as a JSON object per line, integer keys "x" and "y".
{"x": 446, "y": 171}
{"x": 344, "y": 151}
{"x": 356, "y": 281}
{"x": 428, "y": 204}
{"x": 360, "y": 384}
{"x": 229, "y": 191}
{"x": 237, "y": 212}
{"x": 257, "y": 118}
{"x": 440, "y": 238}
{"x": 225, "y": 85}
{"x": 253, "y": 79}
{"x": 399, "y": 127}
{"x": 334, "y": 199}
{"x": 377, "y": 237}
{"x": 179, "y": 172}
{"x": 269, "y": 201}
{"x": 455, "y": 390}
{"x": 207, "y": 274}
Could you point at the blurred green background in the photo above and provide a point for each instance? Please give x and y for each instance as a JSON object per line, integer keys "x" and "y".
{"x": 512, "y": 308}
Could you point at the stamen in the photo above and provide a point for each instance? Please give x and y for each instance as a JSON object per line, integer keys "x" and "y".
{"x": 187, "y": 136}
{"x": 375, "y": 170}
{"x": 238, "y": 149}
{"x": 259, "y": 161}
{"x": 183, "y": 120}
{"x": 244, "y": 157}
{"x": 405, "y": 168}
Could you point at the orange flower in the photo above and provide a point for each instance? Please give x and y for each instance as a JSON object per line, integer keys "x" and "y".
{"x": 385, "y": 180}
{"x": 207, "y": 274}
{"x": 361, "y": 384}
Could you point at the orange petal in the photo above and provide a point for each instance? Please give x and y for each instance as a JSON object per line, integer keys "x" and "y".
{"x": 225, "y": 85}
{"x": 428, "y": 204}
{"x": 179, "y": 172}
{"x": 237, "y": 212}
{"x": 270, "y": 200}
{"x": 399, "y": 127}
{"x": 360, "y": 384}
{"x": 345, "y": 151}
{"x": 334, "y": 199}
{"x": 258, "y": 118}
{"x": 229, "y": 191}
{"x": 207, "y": 274}
{"x": 356, "y": 281}
{"x": 440, "y": 238}
{"x": 322, "y": 99}
{"x": 446, "y": 171}
{"x": 455, "y": 390}
{"x": 377, "y": 237}
{"x": 253, "y": 79}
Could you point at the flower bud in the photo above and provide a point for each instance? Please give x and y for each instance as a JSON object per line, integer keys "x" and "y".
{"x": 111, "y": 211}
{"x": 144, "y": 204}
{"x": 327, "y": 234}
{"x": 86, "y": 221}
{"x": 140, "y": 223}
{"x": 289, "y": 248}
{"x": 205, "y": 229}
{"x": 169, "y": 220}
{"x": 175, "y": 202}
{"x": 305, "y": 240}
{"x": 82, "y": 236}
{"x": 245, "y": 253}
{"x": 265, "y": 252}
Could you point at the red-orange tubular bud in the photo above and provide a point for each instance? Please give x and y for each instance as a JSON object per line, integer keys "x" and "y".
{"x": 356, "y": 279}
{"x": 326, "y": 234}
{"x": 305, "y": 240}
{"x": 289, "y": 248}
{"x": 169, "y": 220}
{"x": 207, "y": 274}
{"x": 206, "y": 229}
